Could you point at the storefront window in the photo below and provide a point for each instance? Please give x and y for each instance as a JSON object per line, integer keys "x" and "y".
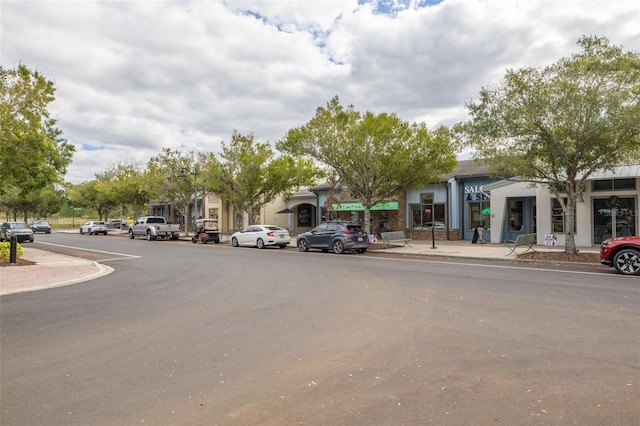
{"x": 428, "y": 214}
{"x": 614, "y": 217}
{"x": 477, "y": 218}
{"x": 558, "y": 221}
{"x": 613, "y": 184}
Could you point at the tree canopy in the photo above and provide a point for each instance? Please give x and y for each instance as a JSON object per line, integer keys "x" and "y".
{"x": 33, "y": 156}
{"x": 559, "y": 124}
{"x": 377, "y": 156}
{"x": 249, "y": 175}
{"x": 175, "y": 177}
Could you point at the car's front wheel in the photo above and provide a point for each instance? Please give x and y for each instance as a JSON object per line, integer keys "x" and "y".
{"x": 234, "y": 242}
{"x": 302, "y": 245}
{"x": 338, "y": 247}
{"x": 81, "y": 231}
{"x": 627, "y": 262}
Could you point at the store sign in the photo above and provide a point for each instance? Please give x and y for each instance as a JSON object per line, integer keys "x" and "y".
{"x": 486, "y": 211}
{"x": 475, "y": 193}
{"x": 550, "y": 240}
{"x": 353, "y": 207}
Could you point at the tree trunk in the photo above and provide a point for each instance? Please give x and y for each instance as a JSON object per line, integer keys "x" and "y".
{"x": 367, "y": 220}
{"x": 570, "y": 241}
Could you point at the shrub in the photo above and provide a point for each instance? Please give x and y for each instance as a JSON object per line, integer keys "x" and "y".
{"x": 5, "y": 250}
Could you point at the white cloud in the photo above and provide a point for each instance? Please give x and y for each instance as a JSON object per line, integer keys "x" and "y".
{"x": 133, "y": 77}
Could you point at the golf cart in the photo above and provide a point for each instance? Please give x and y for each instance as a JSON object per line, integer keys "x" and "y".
{"x": 206, "y": 230}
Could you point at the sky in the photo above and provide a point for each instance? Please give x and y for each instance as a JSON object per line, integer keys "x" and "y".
{"x": 134, "y": 77}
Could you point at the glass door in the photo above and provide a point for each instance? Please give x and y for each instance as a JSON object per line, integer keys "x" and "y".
{"x": 613, "y": 217}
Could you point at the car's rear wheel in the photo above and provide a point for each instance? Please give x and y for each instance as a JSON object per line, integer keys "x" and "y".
{"x": 260, "y": 243}
{"x": 234, "y": 242}
{"x": 302, "y": 245}
{"x": 627, "y": 262}
{"x": 81, "y": 231}
{"x": 338, "y": 247}
{"x": 90, "y": 231}
{"x": 149, "y": 236}
{"x": 131, "y": 236}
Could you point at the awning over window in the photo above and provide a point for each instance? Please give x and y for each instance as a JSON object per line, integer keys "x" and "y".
{"x": 353, "y": 207}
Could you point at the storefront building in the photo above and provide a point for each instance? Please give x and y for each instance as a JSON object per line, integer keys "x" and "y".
{"x": 452, "y": 209}
{"x": 607, "y": 208}
{"x": 335, "y": 203}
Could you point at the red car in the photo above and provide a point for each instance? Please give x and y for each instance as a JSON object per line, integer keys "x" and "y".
{"x": 622, "y": 253}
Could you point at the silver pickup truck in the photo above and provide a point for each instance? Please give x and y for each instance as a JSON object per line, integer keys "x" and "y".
{"x": 154, "y": 227}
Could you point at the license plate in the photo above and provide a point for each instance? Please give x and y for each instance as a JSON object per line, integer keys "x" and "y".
{"x": 360, "y": 239}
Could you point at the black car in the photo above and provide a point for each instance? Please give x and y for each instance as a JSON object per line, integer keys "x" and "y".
{"x": 41, "y": 226}
{"x": 336, "y": 236}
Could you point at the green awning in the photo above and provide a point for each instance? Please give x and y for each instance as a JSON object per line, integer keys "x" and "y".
{"x": 389, "y": 205}
{"x": 353, "y": 207}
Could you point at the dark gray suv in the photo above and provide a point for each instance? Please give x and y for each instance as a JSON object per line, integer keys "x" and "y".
{"x": 336, "y": 236}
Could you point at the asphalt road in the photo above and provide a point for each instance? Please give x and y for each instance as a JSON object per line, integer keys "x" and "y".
{"x": 192, "y": 334}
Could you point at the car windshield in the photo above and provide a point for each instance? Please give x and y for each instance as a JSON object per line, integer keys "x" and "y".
{"x": 274, "y": 228}
{"x": 17, "y": 225}
{"x": 98, "y": 223}
{"x": 39, "y": 222}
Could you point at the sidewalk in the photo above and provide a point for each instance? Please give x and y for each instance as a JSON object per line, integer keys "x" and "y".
{"x": 53, "y": 270}
{"x": 467, "y": 250}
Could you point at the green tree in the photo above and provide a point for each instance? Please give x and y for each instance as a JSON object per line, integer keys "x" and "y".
{"x": 130, "y": 188}
{"x": 559, "y": 124}
{"x": 47, "y": 201}
{"x": 171, "y": 176}
{"x": 33, "y": 155}
{"x": 376, "y": 156}
{"x": 249, "y": 175}
{"x": 96, "y": 194}
{"x": 14, "y": 202}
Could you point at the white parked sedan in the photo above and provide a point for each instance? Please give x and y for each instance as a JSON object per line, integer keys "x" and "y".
{"x": 94, "y": 227}
{"x": 261, "y": 236}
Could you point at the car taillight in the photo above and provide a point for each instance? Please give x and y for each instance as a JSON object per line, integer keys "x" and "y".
{"x": 270, "y": 233}
{"x": 349, "y": 232}
{"x": 157, "y": 227}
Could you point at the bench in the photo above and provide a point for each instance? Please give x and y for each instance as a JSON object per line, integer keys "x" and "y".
{"x": 395, "y": 237}
{"x": 523, "y": 240}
